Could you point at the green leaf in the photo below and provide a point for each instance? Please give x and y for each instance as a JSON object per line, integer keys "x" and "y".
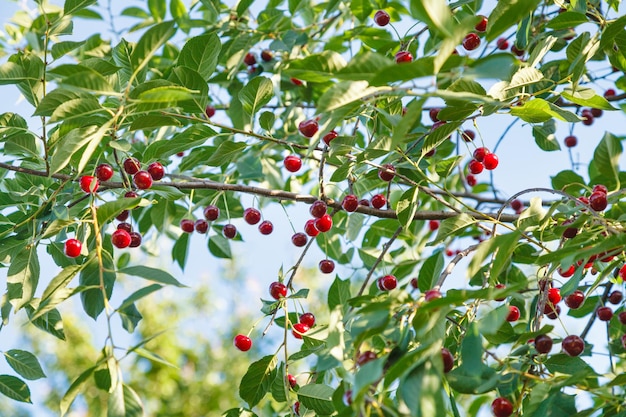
{"x": 257, "y": 380}
{"x": 130, "y": 317}
{"x": 14, "y": 388}
{"x": 539, "y": 110}
{"x": 338, "y": 293}
{"x": 226, "y": 153}
{"x": 201, "y": 54}
{"x": 318, "y": 68}
{"x": 507, "y": 14}
{"x": 82, "y": 77}
{"x": 317, "y": 397}
{"x": 92, "y": 299}
{"x": 435, "y": 13}
{"x": 567, "y": 20}
{"x": 545, "y": 137}
{"x": 430, "y": 271}
{"x": 361, "y": 9}
{"x": 60, "y": 281}
{"x": 570, "y": 365}
{"x": 422, "y": 67}
{"x": 49, "y": 322}
{"x": 266, "y": 120}
{"x": 158, "y": 9}
{"x": 11, "y": 73}
{"x": 139, "y": 294}
{"x": 565, "y": 179}
{"x": 23, "y": 277}
{"x": 107, "y": 211}
{"x": 180, "y": 250}
{"x": 150, "y": 43}
{"x": 407, "y": 206}
{"x": 73, "y": 6}
{"x": 74, "y": 390}
{"x": 449, "y": 227}
{"x": 219, "y": 247}
{"x": 24, "y": 363}
{"x": 152, "y": 122}
{"x": 153, "y": 274}
{"x": 587, "y": 97}
{"x": 238, "y": 412}
{"x": 193, "y": 136}
{"x": 346, "y": 92}
{"x": 604, "y": 167}
{"x": 256, "y": 94}
{"x": 422, "y": 391}
{"x": 59, "y": 49}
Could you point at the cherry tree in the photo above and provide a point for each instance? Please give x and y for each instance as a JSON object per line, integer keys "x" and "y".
{"x": 378, "y": 128}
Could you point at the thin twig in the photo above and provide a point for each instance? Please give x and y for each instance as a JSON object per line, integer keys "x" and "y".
{"x": 386, "y": 247}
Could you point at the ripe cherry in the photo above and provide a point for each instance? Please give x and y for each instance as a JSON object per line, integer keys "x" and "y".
{"x": 350, "y": 203}
{"x": 573, "y": 345}
{"x": 229, "y": 231}
{"x": 299, "y": 329}
{"x": 598, "y": 201}
{"x": 604, "y": 313}
{"x": 471, "y": 41}
{"x": 622, "y": 272}
{"x": 292, "y": 163}
{"x": 387, "y": 283}
{"x": 104, "y": 172}
{"x": 468, "y": 135}
{"x": 403, "y": 57}
{"x": 433, "y": 225}
{"x": 432, "y": 295}
{"x": 201, "y": 226}
{"x": 324, "y": 223}
{"x": 329, "y": 137}
{"x": 482, "y": 25}
{"x": 543, "y": 343}
{"x": 500, "y": 287}
{"x": 211, "y": 213}
{"x": 502, "y": 44}
{"x": 596, "y": 112}
{"x": 299, "y": 239}
{"x": 187, "y": 225}
{"x": 587, "y": 117}
{"x": 554, "y": 295}
{"x": 616, "y": 297}
{"x": 471, "y": 180}
{"x": 567, "y": 272}
{"x": 517, "y": 205}
{"x": 434, "y": 114}
{"x": 249, "y": 59}
{"x": 292, "y": 380}
{"x": 123, "y": 215}
{"x": 125, "y": 226}
{"x": 296, "y": 408}
{"x": 267, "y": 55}
{"x": 252, "y": 215}
{"x": 142, "y": 180}
{"x": 364, "y": 202}
{"x": 131, "y": 166}
{"x": 308, "y": 128}
{"x": 242, "y": 342}
{"x": 135, "y": 240}
{"x": 278, "y": 290}
{"x": 327, "y": 266}
{"x": 156, "y": 171}
{"x": 552, "y": 312}
{"x": 490, "y": 161}
{"x": 381, "y": 18}
{"x": 318, "y": 208}
{"x": 310, "y": 229}
{"x": 266, "y": 227}
{"x": 121, "y": 239}
{"x": 296, "y": 82}
{"x": 517, "y": 51}
{"x": 575, "y": 299}
{"x": 378, "y": 201}
{"x": 600, "y": 188}
{"x": 73, "y": 248}
{"x": 501, "y": 407}
{"x": 622, "y": 317}
{"x": 475, "y": 167}
{"x": 514, "y": 314}
{"x": 480, "y": 153}
{"x": 131, "y": 194}
{"x": 209, "y": 111}
{"x": 448, "y": 360}
{"x": 89, "y": 184}
{"x": 308, "y": 319}
{"x": 385, "y": 174}
{"x": 366, "y": 357}
{"x": 609, "y": 93}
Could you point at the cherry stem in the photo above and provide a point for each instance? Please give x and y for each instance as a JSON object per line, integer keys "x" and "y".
{"x": 386, "y": 247}
{"x": 601, "y": 302}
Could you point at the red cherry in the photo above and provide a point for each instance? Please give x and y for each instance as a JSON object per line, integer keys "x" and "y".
{"x": 517, "y": 205}
{"x": 622, "y": 317}
{"x": 318, "y": 209}
{"x": 622, "y": 272}
{"x": 596, "y": 112}
{"x": 125, "y": 226}
{"x": 308, "y": 128}
{"x": 123, "y": 215}
{"x": 252, "y": 215}
{"x": 468, "y": 135}
{"x": 378, "y": 201}
{"x": 433, "y": 225}
{"x": 552, "y": 311}
{"x": 434, "y": 114}
{"x": 266, "y": 227}
{"x": 366, "y": 357}
{"x": 403, "y": 56}
{"x": 327, "y": 266}
{"x": 480, "y": 153}
{"x": 296, "y": 82}
{"x": 600, "y": 188}
{"x": 229, "y": 231}
{"x": 448, "y": 360}
{"x": 385, "y": 174}
{"x": 432, "y": 295}
{"x": 187, "y": 225}
{"x": 543, "y": 343}
{"x": 514, "y": 314}
{"x": 471, "y": 41}
{"x": 310, "y": 229}
{"x": 350, "y": 203}
{"x": 135, "y": 239}
{"x": 142, "y": 180}
{"x": 131, "y": 166}
{"x": 278, "y": 290}
{"x": 73, "y": 248}
{"x": 209, "y": 111}
{"x": 598, "y": 201}
{"x": 381, "y": 18}
{"x": 616, "y": 297}
{"x": 482, "y": 25}
{"x": 308, "y": 319}
{"x": 249, "y": 59}
{"x": 568, "y": 272}
{"x": 471, "y": 180}
{"x": 502, "y": 44}
{"x": 242, "y": 342}
{"x": 156, "y": 171}
{"x": 324, "y": 223}
{"x": 490, "y": 161}
{"x": 299, "y": 329}
{"x": 573, "y": 345}
{"x": 104, "y": 172}
{"x": 347, "y": 398}
{"x": 89, "y": 184}
{"x": 500, "y": 287}
{"x": 299, "y": 239}
{"x": 604, "y": 313}
{"x": 211, "y": 213}
{"x": 131, "y": 194}
{"x": 201, "y": 226}
{"x": 475, "y": 167}
{"x": 329, "y": 137}
{"x": 517, "y": 51}
{"x": 388, "y": 282}
{"x": 609, "y": 93}
{"x": 267, "y": 55}
{"x": 292, "y": 163}
{"x": 296, "y": 408}
{"x": 554, "y": 295}
{"x": 575, "y": 299}
{"x": 587, "y": 117}
{"x": 501, "y": 407}
{"x": 121, "y": 239}
{"x": 292, "y": 380}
